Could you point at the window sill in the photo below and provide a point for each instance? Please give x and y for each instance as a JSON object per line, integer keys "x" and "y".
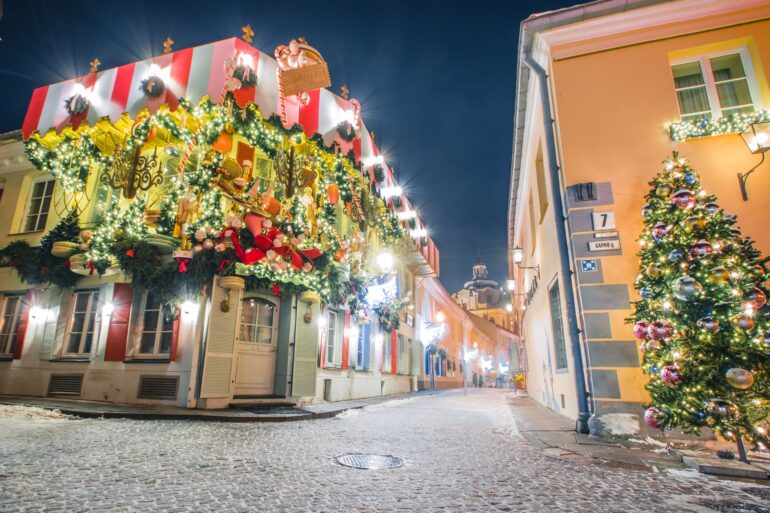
{"x": 147, "y": 360}
{"x": 71, "y": 359}
{"x": 6, "y": 358}
{"x": 10, "y": 234}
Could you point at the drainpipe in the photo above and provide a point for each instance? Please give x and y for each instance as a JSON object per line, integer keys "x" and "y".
{"x": 563, "y": 241}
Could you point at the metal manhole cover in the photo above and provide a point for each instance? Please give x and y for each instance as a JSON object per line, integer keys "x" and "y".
{"x": 369, "y": 461}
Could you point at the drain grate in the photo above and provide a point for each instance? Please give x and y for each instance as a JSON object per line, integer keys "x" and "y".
{"x": 369, "y": 461}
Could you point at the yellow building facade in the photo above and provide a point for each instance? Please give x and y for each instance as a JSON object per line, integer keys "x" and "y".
{"x": 604, "y": 94}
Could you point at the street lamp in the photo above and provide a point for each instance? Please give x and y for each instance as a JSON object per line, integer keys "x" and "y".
{"x": 385, "y": 262}
{"x": 511, "y": 285}
{"x": 757, "y": 138}
{"x": 518, "y": 257}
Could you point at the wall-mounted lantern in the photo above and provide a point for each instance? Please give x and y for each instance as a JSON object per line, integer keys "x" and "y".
{"x": 757, "y": 138}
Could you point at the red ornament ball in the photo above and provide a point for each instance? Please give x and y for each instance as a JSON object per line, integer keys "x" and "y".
{"x": 651, "y": 416}
{"x": 660, "y": 330}
{"x": 640, "y": 329}
{"x": 756, "y": 298}
{"x": 684, "y": 199}
{"x": 660, "y": 230}
{"x": 669, "y": 374}
{"x": 701, "y": 248}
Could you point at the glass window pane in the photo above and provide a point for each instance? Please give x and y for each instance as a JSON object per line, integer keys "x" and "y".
{"x": 727, "y": 67}
{"x": 78, "y": 321}
{"x": 249, "y": 311}
{"x": 168, "y": 322}
{"x": 87, "y": 345}
{"x": 248, "y": 332}
{"x": 152, "y": 303}
{"x": 732, "y": 94}
{"x": 165, "y": 342}
{"x": 687, "y": 75}
{"x": 693, "y": 100}
{"x": 147, "y": 344}
{"x": 81, "y": 303}
{"x": 151, "y": 320}
{"x": 264, "y": 336}
{"x": 265, "y": 317}
{"x": 74, "y": 343}
{"x": 38, "y": 189}
{"x": 4, "y": 343}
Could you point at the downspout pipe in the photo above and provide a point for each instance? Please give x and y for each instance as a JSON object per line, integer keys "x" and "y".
{"x": 573, "y": 329}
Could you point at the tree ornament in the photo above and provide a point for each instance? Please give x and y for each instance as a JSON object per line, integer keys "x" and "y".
{"x": 686, "y": 287}
{"x": 663, "y": 190}
{"x": 669, "y": 374}
{"x": 654, "y": 271}
{"x": 685, "y": 266}
{"x": 718, "y": 275}
{"x": 700, "y": 249}
{"x": 756, "y": 272}
{"x": 651, "y": 416}
{"x": 694, "y": 223}
{"x": 645, "y": 292}
{"x": 676, "y": 255}
{"x": 640, "y": 329}
{"x": 708, "y": 323}
{"x": 660, "y": 330}
{"x": 690, "y": 178}
{"x": 152, "y": 87}
{"x": 744, "y": 322}
{"x": 76, "y": 105}
{"x": 722, "y": 408}
{"x": 711, "y": 208}
{"x": 756, "y": 298}
{"x": 740, "y": 379}
{"x": 684, "y": 199}
{"x": 651, "y": 345}
{"x": 646, "y": 211}
{"x": 660, "y": 230}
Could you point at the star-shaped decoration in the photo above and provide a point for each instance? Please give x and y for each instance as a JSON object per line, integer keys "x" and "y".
{"x": 248, "y": 34}
{"x": 167, "y": 45}
{"x": 95, "y": 65}
{"x": 344, "y": 91}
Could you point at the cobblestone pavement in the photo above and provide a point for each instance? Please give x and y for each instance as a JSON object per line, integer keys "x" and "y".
{"x": 462, "y": 454}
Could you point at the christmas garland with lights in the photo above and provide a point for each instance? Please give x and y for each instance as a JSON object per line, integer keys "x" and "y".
{"x": 730, "y": 124}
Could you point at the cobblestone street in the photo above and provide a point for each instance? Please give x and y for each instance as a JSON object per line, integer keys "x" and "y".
{"x": 462, "y": 454}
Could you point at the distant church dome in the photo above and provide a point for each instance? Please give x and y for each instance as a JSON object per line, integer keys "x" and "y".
{"x": 480, "y": 280}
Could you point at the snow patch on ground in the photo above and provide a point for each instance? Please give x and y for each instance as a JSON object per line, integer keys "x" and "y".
{"x": 648, "y": 441}
{"x": 687, "y": 472}
{"x": 31, "y": 413}
{"x": 621, "y": 423}
{"x": 389, "y": 404}
{"x": 348, "y": 414}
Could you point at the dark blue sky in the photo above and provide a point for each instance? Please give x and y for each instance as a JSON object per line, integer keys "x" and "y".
{"x": 435, "y": 80}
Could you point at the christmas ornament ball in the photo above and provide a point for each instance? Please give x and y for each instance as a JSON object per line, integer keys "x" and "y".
{"x": 654, "y": 271}
{"x": 646, "y": 210}
{"x": 640, "y": 329}
{"x": 684, "y": 199}
{"x": 708, "y": 323}
{"x": 740, "y": 379}
{"x": 690, "y": 178}
{"x": 756, "y": 272}
{"x": 660, "y": 330}
{"x": 744, "y": 322}
{"x": 686, "y": 287}
{"x": 718, "y": 275}
{"x": 651, "y": 416}
{"x": 723, "y": 408}
{"x": 711, "y": 208}
{"x": 663, "y": 190}
{"x": 660, "y": 230}
{"x": 701, "y": 249}
{"x": 676, "y": 255}
{"x": 669, "y": 374}
{"x": 694, "y": 223}
{"x": 645, "y": 292}
{"x": 756, "y": 298}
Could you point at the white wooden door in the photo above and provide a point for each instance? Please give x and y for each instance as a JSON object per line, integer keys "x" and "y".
{"x": 257, "y": 339}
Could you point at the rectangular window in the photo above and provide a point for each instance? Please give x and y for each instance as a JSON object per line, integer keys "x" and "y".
{"x": 84, "y": 322}
{"x": 387, "y": 353}
{"x": 362, "y": 355}
{"x": 560, "y": 349}
{"x": 38, "y": 205}
{"x": 157, "y": 328}
{"x": 331, "y": 337}
{"x": 532, "y": 223}
{"x": 9, "y": 323}
{"x": 542, "y": 193}
{"x": 714, "y": 86}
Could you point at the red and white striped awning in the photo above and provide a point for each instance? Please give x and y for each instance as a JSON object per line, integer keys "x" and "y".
{"x": 193, "y": 73}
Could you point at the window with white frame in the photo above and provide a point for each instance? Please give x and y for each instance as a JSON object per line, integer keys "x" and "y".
{"x": 157, "y": 328}
{"x": 715, "y": 85}
{"x": 83, "y": 326}
{"x": 38, "y": 204}
{"x": 331, "y": 337}
{"x": 363, "y": 350}
{"x": 9, "y": 323}
{"x": 257, "y": 321}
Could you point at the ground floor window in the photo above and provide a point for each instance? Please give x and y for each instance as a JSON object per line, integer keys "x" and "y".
{"x": 157, "y": 328}
{"x": 364, "y": 340}
{"x": 83, "y": 325}
{"x": 11, "y": 315}
{"x": 331, "y": 337}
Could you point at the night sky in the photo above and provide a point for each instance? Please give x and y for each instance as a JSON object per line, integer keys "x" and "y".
{"x": 435, "y": 81}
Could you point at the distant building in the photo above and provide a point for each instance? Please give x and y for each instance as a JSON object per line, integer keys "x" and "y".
{"x": 485, "y": 298}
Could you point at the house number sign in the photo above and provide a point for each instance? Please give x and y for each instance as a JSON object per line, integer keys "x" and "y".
{"x": 604, "y": 220}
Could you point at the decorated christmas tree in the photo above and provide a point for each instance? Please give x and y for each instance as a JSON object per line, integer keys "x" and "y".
{"x": 703, "y": 318}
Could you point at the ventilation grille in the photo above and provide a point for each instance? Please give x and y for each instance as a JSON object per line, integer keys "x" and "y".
{"x": 65, "y": 384}
{"x": 158, "y": 387}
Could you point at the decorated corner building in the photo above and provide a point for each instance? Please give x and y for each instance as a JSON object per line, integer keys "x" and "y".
{"x": 216, "y": 226}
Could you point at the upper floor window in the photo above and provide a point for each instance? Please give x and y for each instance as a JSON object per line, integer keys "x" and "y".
{"x": 713, "y": 86}
{"x": 38, "y": 204}
{"x": 83, "y": 326}
{"x": 9, "y": 323}
{"x": 157, "y": 328}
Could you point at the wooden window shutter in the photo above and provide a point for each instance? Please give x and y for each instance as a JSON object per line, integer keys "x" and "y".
{"x": 118, "y": 330}
{"x": 174, "y": 336}
{"x": 346, "y": 342}
{"x": 21, "y": 329}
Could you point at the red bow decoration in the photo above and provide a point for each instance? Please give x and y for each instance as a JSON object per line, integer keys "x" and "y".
{"x": 222, "y": 264}
{"x": 182, "y": 264}
{"x": 276, "y": 290}
{"x": 91, "y": 267}
{"x": 130, "y": 252}
{"x": 247, "y": 257}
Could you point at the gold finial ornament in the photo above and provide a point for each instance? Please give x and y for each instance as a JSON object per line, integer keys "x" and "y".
{"x": 345, "y": 92}
{"x": 248, "y": 34}
{"x": 167, "y": 45}
{"x": 95, "y": 65}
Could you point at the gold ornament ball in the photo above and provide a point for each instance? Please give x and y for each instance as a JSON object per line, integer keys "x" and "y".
{"x": 711, "y": 422}
{"x": 740, "y": 379}
{"x": 663, "y": 190}
{"x": 718, "y": 275}
{"x": 654, "y": 271}
{"x": 693, "y": 223}
{"x": 744, "y": 322}
{"x": 685, "y": 266}
{"x": 756, "y": 272}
